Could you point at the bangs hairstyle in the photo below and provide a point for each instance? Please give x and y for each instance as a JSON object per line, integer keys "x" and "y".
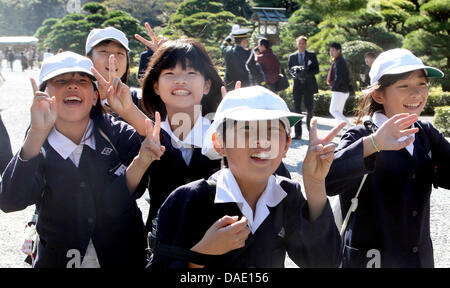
{"x": 189, "y": 53}
{"x": 368, "y": 106}
{"x": 124, "y": 77}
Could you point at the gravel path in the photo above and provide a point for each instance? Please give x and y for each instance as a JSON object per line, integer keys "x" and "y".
{"x": 15, "y": 101}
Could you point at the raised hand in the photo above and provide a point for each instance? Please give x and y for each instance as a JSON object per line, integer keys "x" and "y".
{"x": 117, "y": 93}
{"x": 386, "y": 137}
{"x": 320, "y": 153}
{"x": 224, "y": 235}
{"x": 151, "y": 148}
{"x": 224, "y": 92}
{"x": 155, "y": 43}
{"x": 43, "y": 110}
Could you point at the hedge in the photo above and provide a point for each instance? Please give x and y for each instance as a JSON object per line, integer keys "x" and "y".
{"x": 442, "y": 119}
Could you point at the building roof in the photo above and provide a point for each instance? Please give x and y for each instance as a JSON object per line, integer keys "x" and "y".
{"x": 17, "y": 40}
{"x": 267, "y": 14}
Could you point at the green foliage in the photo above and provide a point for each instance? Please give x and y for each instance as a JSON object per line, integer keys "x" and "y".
{"x": 94, "y": 8}
{"x": 353, "y": 52}
{"x": 70, "y": 32}
{"x": 442, "y": 120}
{"x": 436, "y": 99}
{"x": 428, "y": 38}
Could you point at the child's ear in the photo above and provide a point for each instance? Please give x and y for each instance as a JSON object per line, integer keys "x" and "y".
{"x": 94, "y": 99}
{"x": 155, "y": 87}
{"x": 286, "y": 148}
{"x": 378, "y": 97}
{"x": 207, "y": 87}
{"x": 218, "y": 144}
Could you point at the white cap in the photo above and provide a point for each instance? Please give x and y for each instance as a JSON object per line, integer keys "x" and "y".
{"x": 397, "y": 61}
{"x": 64, "y": 62}
{"x": 109, "y": 33}
{"x": 254, "y": 103}
{"x": 249, "y": 104}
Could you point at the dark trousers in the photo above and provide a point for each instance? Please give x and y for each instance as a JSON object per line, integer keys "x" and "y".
{"x": 271, "y": 87}
{"x": 308, "y": 101}
{"x": 5, "y": 147}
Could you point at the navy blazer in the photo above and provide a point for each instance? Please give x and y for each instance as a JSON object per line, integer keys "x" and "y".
{"x": 5, "y": 147}
{"x": 311, "y": 71}
{"x": 341, "y": 78}
{"x": 190, "y": 211}
{"x": 393, "y": 214}
{"x": 171, "y": 172}
{"x": 78, "y": 204}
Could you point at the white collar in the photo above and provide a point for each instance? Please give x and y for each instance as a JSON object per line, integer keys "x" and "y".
{"x": 379, "y": 118}
{"x": 193, "y": 138}
{"x": 65, "y": 147}
{"x": 228, "y": 190}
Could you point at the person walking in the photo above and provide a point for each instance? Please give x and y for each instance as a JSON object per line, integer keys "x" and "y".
{"x": 305, "y": 84}
{"x": 338, "y": 80}
{"x": 269, "y": 63}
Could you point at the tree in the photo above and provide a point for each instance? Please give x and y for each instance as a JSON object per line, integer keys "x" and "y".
{"x": 353, "y": 52}
{"x": 429, "y": 36}
{"x": 70, "y": 32}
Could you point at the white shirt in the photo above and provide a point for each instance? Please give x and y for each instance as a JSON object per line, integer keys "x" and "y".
{"x": 67, "y": 149}
{"x": 46, "y": 54}
{"x": 379, "y": 118}
{"x": 194, "y": 138}
{"x": 228, "y": 190}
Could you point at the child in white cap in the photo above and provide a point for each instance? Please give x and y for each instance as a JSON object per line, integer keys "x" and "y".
{"x": 402, "y": 157}
{"x": 244, "y": 215}
{"x": 79, "y": 166}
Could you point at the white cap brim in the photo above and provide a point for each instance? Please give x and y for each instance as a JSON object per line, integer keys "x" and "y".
{"x": 66, "y": 70}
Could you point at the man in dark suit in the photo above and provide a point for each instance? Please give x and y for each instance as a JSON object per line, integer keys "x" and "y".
{"x": 305, "y": 84}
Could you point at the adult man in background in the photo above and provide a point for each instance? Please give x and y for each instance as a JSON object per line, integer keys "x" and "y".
{"x": 305, "y": 66}
{"x": 240, "y": 64}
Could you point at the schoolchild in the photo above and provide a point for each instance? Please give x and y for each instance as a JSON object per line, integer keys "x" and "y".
{"x": 86, "y": 172}
{"x": 244, "y": 215}
{"x": 109, "y": 51}
{"x": 402, "y": 157}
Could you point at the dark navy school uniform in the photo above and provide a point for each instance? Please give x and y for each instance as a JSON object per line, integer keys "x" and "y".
{"x": 172, "y": 172}
{"x": 79, "y": 204}
{"x": 190, "y": 211}
{"x": 393, "y": 214}
{"x": 5, "y": 147}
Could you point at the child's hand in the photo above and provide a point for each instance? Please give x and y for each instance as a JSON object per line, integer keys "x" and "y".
{"x": 155, "y": 43}
{"x": 223, "y": 90}
{"x": 386, "y": 137}
{"x": 117, "y": 93}
{"x": 43, "y": 110}
{"x": 224, "y": 235}
{"x": 320, "y": 153}
{"x": 151, "y": 148}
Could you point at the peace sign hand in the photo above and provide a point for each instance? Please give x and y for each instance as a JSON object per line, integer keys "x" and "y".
{"x": 320, "y": 153}
{"x": 155, "y": 43}
{"x": 43, "y": 110}
{"x": 151, "y": 148}
{"x": 117, "y": 93}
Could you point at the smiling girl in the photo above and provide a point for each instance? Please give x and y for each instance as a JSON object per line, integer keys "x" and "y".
{"x": 402, "y": 156}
